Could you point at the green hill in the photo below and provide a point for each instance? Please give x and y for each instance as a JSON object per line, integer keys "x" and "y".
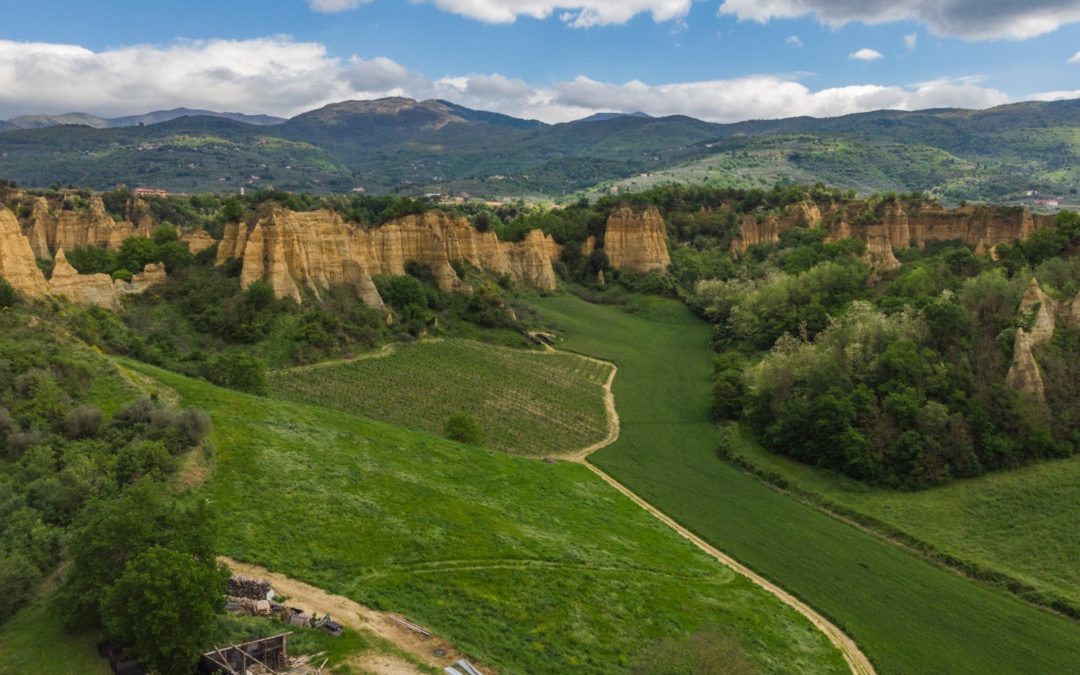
{"x": 530, "y": 566}
{"x": 438, "y": 146}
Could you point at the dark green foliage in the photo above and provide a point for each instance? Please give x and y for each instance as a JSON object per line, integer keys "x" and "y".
{"x": 8, "y": 296}
{"x": 66, "y": 443}
{"x": 163, "y": 608}
{"x": 236, "y": 369}
{"x": 463, "y": 428}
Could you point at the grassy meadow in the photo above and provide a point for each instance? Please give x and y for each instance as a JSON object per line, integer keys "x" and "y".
{"x": 526, "y": 402}
{"x": 1021, "y": 522}
{"x": 530, "y": 566}
{"x": 907, "y": 615}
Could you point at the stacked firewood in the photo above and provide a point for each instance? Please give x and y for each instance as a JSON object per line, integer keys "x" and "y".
{"x": 248, "y": 587}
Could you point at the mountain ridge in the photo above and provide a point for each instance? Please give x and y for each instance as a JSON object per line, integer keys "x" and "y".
{"x": 417, "y": 147}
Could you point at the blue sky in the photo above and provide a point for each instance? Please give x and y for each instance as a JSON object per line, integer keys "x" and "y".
{"x": 715, "y": 59}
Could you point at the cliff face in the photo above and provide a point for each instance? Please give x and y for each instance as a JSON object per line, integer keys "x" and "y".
{"x": 50, "y": 230}
{"x": 636, "y": 240}
{"x": 82, "y": 289}
{"x": 17, "y": 263}
{"x": 317, "y": 249}
{"x": 895, "y": 226}
{"x": 1024, "y": 374}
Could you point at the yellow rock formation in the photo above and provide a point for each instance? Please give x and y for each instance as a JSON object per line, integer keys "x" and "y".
{"x": 82, "y": 289}
{"x": 636, "y": 240}
{"x": 1024, "y": 375}
{"x": 317, "y": 249}
{"x": 17, "y": 263}
{"x": 895, "y": 226}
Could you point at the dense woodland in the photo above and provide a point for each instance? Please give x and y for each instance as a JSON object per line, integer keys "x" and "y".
{"x": 88, "y": 477}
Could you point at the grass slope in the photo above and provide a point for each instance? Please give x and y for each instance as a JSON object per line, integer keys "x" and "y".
{"x": 1021, "y": 522}
{"x": 528, "y": 566}
{"x": 34, "y": 641}
{"x": 907, "y": 615}
{"x": 530, "y": 403}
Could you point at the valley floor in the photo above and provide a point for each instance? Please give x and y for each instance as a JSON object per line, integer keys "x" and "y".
{"x": 907, "y": 614}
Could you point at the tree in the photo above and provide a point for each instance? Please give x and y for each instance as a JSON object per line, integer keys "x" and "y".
{"x": 162, "y": 608}
{"x": 462, "y": 427}
{"x": 237, "y": 369}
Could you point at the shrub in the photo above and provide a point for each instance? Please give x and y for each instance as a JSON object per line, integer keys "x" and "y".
{"x": 194, "y": 425}
{"x": 82, "y": 422}
{"x": 8, "y": 296}
{"x": 463, "y": 428}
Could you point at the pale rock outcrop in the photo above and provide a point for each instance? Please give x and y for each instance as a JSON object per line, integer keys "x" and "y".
{"x": 1042, "y": 331}
{"x": 635, "y": 240}
{"x": 82, "y": 289}
{"x": 18, "y": 265}
{"x": 38, "y": 229}
{"x": 1024, "y": 375}
{"x": 152, "y": 275}
{"x": 894, "y": 226}
{"x": 198, "y": 241}
{"x": 318, "y": 249}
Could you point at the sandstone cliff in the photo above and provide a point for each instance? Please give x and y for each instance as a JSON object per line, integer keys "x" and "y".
{"x": 68, "y": 228}
{"x": 17, "y": 263}
{"x": 1024, "y": 374}
{"x": 635, "y": 240}
{"x": 82, "y": 289}
{"x": 198, "y": 241}
{"x": 894, "y": 225}
{"x": 317, "y": 249}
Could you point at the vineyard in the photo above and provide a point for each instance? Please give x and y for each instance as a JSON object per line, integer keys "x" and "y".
{"x": 530, "y": 403}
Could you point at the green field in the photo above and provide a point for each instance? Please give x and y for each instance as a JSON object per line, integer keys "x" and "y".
{"x": 908, "y": 615}
{"x": 530, "y": 566}
{"x": 1021, "y": 522}
{"x": 34, "y": 641}
{"x": 531, "y": 403}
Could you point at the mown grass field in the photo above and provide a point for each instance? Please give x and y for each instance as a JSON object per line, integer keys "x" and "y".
{"x": 528, "y": 566}
{"x": 34, "y": 641}
{"x": 908, "y": 615}
{"x": 531, "y": 403}
{"x": 1021, "y": 522}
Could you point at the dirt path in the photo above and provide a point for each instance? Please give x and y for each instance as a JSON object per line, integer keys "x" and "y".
{"x": 434, "y": 651}
{"x": 856, "y": 660}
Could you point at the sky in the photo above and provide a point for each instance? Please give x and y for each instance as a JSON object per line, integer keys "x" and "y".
{"x": 718, "y": 60}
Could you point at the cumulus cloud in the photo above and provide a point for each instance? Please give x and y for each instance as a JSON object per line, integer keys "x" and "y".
{"x": 866, "y": 54}
{"x": 1055, "y": 95}
{"x": 273, "y": 75}
{"x": 969, "y": 19}
{"x": 331, "y": 6}
{"x": 577, "y": 13}
{"x": 772, "y": 97}
{"x": 911, "y": 40}
{"x": 793, "y": 41}
{"x": 280, "y": 76}
{"x": 1075, "y": 58}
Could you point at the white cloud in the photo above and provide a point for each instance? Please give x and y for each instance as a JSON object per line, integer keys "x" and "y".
{"x": 793, "y": 41}
{"x": 969, "y": 19}
{"x": 1055, "y": 95}
{"x": 280, "y": 76}
{"x": 331, "y": 6}
{"x": 579, "y": 13}
{"x": 911, "y": 40}
{"x": 1075, "y": 58}
{"x": 772, "y": 97}
{"x": 866, "y": 54}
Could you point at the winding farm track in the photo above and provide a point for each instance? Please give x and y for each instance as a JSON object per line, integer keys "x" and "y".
{"x": 856, "y": 660}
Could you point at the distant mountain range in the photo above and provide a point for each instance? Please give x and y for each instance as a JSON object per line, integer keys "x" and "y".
{"x": 417, "y": 147}
{"x": 156, "y": 117}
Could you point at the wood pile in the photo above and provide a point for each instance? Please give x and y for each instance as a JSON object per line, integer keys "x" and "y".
{"x": 248, "y": 587}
